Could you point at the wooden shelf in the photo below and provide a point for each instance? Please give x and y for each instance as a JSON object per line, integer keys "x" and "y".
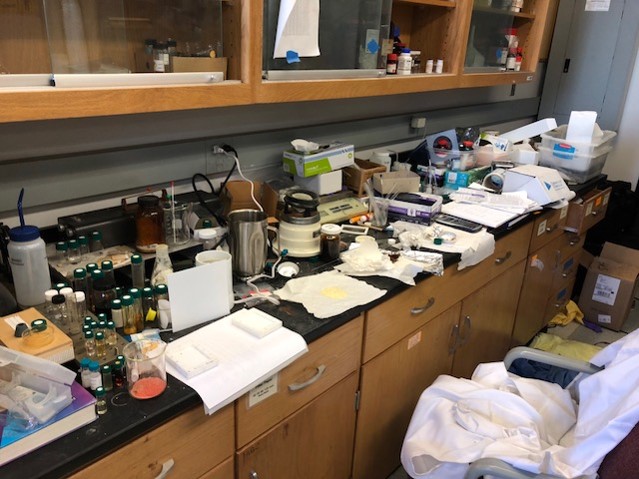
{"x": 499, "y": 11}
{"x": 496, "y": 78}
{"x": 435, "y": 3}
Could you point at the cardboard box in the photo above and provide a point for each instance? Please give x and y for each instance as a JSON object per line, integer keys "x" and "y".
{"x": 608, "y": 290}
{"x": 237, "y": 196}
{"x": 394, "y": 182}
{"x": 461, "y": 179}
{"x": 543, "y": 185}
{"x": 417, "y": 206}
{"x": 356, "y": 176}
{"x": 200, "y": 64}
{"x": 325, "y": 160}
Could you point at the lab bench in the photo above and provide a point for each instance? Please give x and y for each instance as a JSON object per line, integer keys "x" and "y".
{"x": 364, "y": 370}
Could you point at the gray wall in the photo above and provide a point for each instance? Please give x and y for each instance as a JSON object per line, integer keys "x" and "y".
{"x": 70, "y": 162}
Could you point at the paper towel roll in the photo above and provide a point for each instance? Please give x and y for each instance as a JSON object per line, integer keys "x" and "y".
{"x": 495, "y": 179}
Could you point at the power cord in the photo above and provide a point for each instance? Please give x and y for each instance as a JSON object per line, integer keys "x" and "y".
{"x": 231, "y": 153}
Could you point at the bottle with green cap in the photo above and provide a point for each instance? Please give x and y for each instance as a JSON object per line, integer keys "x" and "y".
{"x": 107, "y": 379}
{"x": 61, "y": 251}
{"x": 100, "y": 403}
{"x": 80, "y": 280}
{"x": 110, "y": 334}
{"x": 116, "y": 313}
{"x": 149, "y": 311}
{"x": 136, "y": 294}
{"x": 137, "y": 271}
{"x": 73, "y": 254}
{"x": 130, "y": 325}
{"x": 85, "y": 374}
{"x": 103, "y": 292}
{"x": 89, "y": 343}
{"x": 107, "y": 267}
{"x": 96, "y": 377}
{"x": 96, "y": 241}
{"x": 83, "y": 241}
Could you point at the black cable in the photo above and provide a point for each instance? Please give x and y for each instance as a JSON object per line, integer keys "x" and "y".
{"x": 198, "y": 193}
{"x": 228, "y": 149}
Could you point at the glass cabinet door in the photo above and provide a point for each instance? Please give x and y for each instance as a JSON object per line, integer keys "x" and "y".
{"x": 339, "y": 40}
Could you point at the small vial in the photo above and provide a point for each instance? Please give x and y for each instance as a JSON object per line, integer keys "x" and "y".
{"x": 48, "y": 297}
{"x": 429, "y": 66}
{"x": 100, "y": 403}
{"x": 89, "y": 343}
{"x": 87, "y": 321}
{"x": 136, "y": 294}
{"x": 107, "y": 379}
{"x": 161, "y": 292}
{"x": 149, "y": 311}
{"x": 116, "y": 313}
{"x": 61, "y": 251}
{"x": 80, "y": 280}
{"x": 96, "y": 241}
{"x": 80, "y": 304}
{"x": 122, "y": 360}
{"x": 96, "y": 377}
{"x": 85, "y": 374}
{"x": 59, "y": 313}
{"x": 107, "y": 268}
{"x": 59, "y": 286}
{"x": 137, "y": 271}
{"x": 73, "y": 255}
{"x": 128, "y": 317}
{"x": 100, "y": 345}
{"x": 118, "y": 374}
{"x": 119, "y": 292}
{"x": 83, "y": 241}
{"x": 111, "y": 335}
{"x": 439, "y": 66}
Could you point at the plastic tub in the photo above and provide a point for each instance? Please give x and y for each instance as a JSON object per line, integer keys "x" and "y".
{"x": 554, "y": 140}
{"x": 576, "y": 168}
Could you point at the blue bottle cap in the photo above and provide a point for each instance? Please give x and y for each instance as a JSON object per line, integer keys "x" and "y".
{"x": 22, "y": 234}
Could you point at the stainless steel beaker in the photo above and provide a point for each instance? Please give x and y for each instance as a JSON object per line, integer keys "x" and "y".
{"x": 248, "y": 242}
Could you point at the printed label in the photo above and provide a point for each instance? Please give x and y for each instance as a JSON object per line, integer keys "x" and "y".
{"x": 606, "y": 199}
{"x": 604, "y": 318}
{"x": 262, "y": 391}
{"x": 563, "y": 212}
{"x": 13, "y": 321}
{"x": 414, "y": 340}
{"x": 541, "y": 229}
{"x": 598, "y": 201}
{"x": 589, "y": 209}
{"x": 606, "y": 289}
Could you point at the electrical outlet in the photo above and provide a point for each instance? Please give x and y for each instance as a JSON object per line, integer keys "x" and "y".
{"x": 418, "y": 122}
{"x": 217, "y": 161}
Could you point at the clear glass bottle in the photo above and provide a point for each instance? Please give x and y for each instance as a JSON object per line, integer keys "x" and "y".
{"x": 149, "y": 311}
{"x": 103, "y": 292}
{"x": 59, "y": 313}
{"x": 78, "y": 310}
{"x": 137, "y": 271}
{"x": 61, "y": 251}
{"x": 96, "y": 241}
{"x": 80, "y": 280}
{"x": 161, "y": 292}
{"x": 100, "y": 345}
{"x": 149, "y": 45}
{"x": 136, "y": 294}
{"x": 73, "y": 255}
{"x": 48, "y": 305}
{"x": 111, "y": 334}
{"x": 116, "y": 313}
{"x": 330, "y": 241}
{"x": 121, "y": 358}
{"x": 107, "y": 379}
{"x": 89, "y": 292}
{"x": 102, "y": 325}
{"x": 95, "y": 376}
{"x": 85, "y": 374}
{"x": 89, "y": 343}
{"x": 83, "y": 241}
{"x": 128, "y": 317}
{"x": 162, "y": 267}
{"x": 100, "y": 403}
{"x": 160, "y": 50}
{"x": 107, "y": 268}
{"x": 149, "y": 231}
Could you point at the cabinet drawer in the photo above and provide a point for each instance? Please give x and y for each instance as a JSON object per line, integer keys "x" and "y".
{"x": 547, "y": 227}
{"x": 196, "y": 443}
{"x": 226, "y": 470}
{"x": 568, "y": 245}
{"x": 566, "y": 272}
{"x": 590, "y": 211}
{"x": 329, "y": 359}
{"x": 557, "y": 302}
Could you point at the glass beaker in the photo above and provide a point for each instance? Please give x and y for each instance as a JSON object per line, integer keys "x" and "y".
{"x": 145, "y": 368}
{"x": 176, "y": 224}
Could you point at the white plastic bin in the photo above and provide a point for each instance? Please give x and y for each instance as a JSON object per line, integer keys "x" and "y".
{"x": 576, "y": 168}
{"x": 555, "y": 141}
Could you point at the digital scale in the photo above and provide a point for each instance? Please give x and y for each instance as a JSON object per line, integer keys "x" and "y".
{"x": 341, "y": 210}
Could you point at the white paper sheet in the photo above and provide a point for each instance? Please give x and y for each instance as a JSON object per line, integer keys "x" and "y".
{"x": 479, "y": 214}
{"x": 244, "y": 361}
{"x": 298, "y": 29}
{"x": 198, "y": 295}
{"x": 581, "y": 126}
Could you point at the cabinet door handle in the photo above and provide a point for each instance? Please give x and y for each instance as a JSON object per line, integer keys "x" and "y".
{"x": 553, "y": 228}
{"x": 574, "y": 241}
{"x": 504, "y": 258}
{"x": 454, "y": 339}
{"x": 166, "y": 468}
{"x": 420, "y": 310}
{"x": 566, "y": 273}
{"x": 297, "y": 386}
{"x": 253, "y": 475}
{"x": 467, "y": 326}
{"x": 594, "y": 213}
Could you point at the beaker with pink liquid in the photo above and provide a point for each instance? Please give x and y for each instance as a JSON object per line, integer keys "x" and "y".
{"x": 145, "y": 368}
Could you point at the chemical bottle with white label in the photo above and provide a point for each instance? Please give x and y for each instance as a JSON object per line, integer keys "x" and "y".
{"x": 404, "y": 62}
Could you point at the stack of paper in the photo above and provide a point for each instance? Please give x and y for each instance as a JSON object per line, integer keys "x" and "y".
{"x": 244, "y": 360}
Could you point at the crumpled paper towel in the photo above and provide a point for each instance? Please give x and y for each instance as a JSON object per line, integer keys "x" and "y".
{"x": 329, "y": 294}
{"x": 474, "y": 247}
{"x": 304, "y": 146}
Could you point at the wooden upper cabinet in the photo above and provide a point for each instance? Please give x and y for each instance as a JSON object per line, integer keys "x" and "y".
{"x": 96, "y": 37}
{"x": 491, "y": 28}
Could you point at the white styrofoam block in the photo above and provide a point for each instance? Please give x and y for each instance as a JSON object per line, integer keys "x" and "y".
{"x": 255, "y": 322}
{"x": 191, "y": 359}
{"x": 530, "y": 131}
{"x": 323, "y": 184}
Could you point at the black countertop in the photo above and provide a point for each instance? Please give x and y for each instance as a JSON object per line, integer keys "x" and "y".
{"x": 128, "y": 418}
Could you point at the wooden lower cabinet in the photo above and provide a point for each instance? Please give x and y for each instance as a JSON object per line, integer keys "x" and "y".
{"x": 196, "y": 443}
{"x": 486, "y": 321}
{"x": 226, "y": 470}
{"x": 390, "y": 386}
{"x": 316, "y": 442}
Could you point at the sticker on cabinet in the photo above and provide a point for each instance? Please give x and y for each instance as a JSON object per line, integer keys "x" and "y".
{"x": 262, "y": 391}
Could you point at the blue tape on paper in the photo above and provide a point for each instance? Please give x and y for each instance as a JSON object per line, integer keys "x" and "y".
{"x": 292, "y": 57}
{"x": 373, "y": 46}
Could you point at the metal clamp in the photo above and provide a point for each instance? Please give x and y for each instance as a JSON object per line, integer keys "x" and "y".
{"x": 504, "y": 258}
{"x": 420, "y": 310}
{"x": 297, "y": 386}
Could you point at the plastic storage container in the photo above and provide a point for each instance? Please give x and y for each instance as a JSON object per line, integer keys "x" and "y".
{"x": 29, "y": 266}
{"x": 576, "y": 161}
